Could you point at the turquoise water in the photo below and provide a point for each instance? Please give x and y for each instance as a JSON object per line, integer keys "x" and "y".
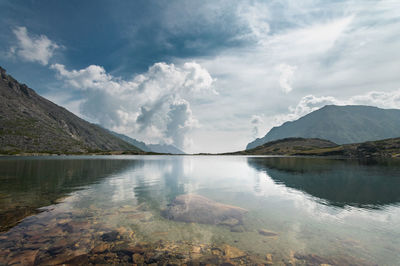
{"x": 316, "y": 210}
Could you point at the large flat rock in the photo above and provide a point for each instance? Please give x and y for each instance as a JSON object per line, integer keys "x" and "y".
{"x": 193, "y": 208}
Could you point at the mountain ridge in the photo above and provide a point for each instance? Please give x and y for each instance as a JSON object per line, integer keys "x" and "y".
{"x": 340, "y": 124}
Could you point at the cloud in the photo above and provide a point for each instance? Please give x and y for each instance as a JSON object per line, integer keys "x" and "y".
{"x": 286, "y": 77}
{"x": 152, "y": 106}
{"x": 33, "y": 48}
{"x": 92, "y": 77}
{"x": 379, "y": 98}
{"x": 180, "y": 121}
{"x": 255, "y": 17}
{"x": 310, "y": 103}
{"x": 255, "y": 121}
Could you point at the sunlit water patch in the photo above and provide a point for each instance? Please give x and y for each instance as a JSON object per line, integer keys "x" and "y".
{"x": 194, "y": 209}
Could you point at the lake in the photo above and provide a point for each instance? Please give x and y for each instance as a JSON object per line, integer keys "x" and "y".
{"x": 117, "y": 209}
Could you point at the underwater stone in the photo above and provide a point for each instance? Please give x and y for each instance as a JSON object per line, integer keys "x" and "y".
{"x": 267, "y": 233}
{"x": 137, "y": 258}
{"x": 232, "y": 252}
{"x": 198, "y": 209}
{"x": 111, "y": 236}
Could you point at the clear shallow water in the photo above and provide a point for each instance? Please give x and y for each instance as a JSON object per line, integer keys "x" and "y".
{"x": 107, "y": 209}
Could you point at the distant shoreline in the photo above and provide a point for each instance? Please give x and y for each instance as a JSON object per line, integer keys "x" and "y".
{"x": 294, "y": 147}
{"x": 331, "y": 157}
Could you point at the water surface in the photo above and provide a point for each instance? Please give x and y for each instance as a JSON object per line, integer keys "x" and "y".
{"x": 108, "y": 209}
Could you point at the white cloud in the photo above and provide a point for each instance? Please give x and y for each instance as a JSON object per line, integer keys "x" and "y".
{"x": 92, "y": 77}
{"x": 310, "y": 103}
{"x": 153, "y": 106}
{"x": 180, "y": 121}
{"x": 33, "y": 48}
{"x": 379, "y": 98}
{"x": 286, "y": 77}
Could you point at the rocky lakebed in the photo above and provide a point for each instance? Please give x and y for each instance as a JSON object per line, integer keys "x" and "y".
{"x": 62, "y": 235}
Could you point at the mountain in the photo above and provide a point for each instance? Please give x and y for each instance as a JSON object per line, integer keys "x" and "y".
{"x": 289, "y": 146}
{"x": 30, "y": 123}
{"x": 339, "y": 124}
{"x": 140, "y": 144}
{"x": 158, "y": 148}
{"x": 164, "y": 148}
{"x": 387, "y": 148}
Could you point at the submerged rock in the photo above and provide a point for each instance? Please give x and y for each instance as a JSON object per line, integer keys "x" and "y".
{"x": 232, "y": 252}
{"x": 198, "y": 209}
{"x": 111, "y": 236}
{"x": 230, "y": 222}
{"x": 25, "y": 258}
{"x": 137, "y": 258}
{"x": 314, "y": 259}
{"x": 268, "y": 257}
{"x": 238, "y": 229}
{"x": 267, "y": 233}
{"x": 100, "y": 248}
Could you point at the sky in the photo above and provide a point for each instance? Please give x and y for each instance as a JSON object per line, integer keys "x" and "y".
{"x": 205, "y": 76}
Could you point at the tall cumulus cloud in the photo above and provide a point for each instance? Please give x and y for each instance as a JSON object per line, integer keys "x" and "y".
{"x": 154, "y": 105}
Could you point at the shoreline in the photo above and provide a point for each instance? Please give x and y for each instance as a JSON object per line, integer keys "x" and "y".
{"x": 331, "y": 157}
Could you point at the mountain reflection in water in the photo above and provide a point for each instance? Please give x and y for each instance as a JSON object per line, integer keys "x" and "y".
{"x": 340, "y": 183}
{"x": 29, "y": 184}
{"x": 86, "y": 210}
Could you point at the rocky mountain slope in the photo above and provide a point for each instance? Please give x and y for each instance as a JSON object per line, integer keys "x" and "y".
{"x": 339, "y": 124}
{"x": 30, "y": 123}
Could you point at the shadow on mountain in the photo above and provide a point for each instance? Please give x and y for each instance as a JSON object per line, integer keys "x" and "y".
{"x": 29, "y": 184}
{"x": 340, "y": 183}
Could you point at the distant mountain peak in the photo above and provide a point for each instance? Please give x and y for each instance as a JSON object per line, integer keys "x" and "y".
{"x": 340, "y": 124}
